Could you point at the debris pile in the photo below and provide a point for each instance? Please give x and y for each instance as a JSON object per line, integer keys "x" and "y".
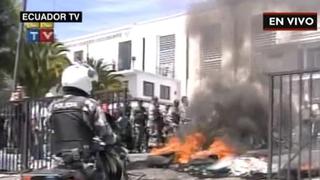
{"x": 220, "y": 159}
{"x": 227, "y": 167}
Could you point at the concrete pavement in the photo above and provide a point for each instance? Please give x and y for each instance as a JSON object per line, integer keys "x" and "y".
{"x": 9, "y": 177}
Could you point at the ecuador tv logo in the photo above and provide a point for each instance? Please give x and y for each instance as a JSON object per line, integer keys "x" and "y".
{"x": 39, "y": 24}
{"x": 41, "y": 32}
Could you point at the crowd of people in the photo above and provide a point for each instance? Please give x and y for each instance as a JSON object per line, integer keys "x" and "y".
{"x": 144, "y": 127}
{"x": 75, "y": 120}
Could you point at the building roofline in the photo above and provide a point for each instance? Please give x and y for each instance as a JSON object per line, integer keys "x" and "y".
{"x": 98, "y": 33}
{"x": 162, "y": 18}
{"x": 108, "y": 31}
{"x": 137, "y": 72}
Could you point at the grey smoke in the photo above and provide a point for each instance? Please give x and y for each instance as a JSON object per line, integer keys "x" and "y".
{"x": 231, "y": 103}
{"x": 237, "y": 110}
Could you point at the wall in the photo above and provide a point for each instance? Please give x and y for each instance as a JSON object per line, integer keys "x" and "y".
{"x": 132, "y": 83}
{"x": 150, "y": 30}
{"x": 157, "y": 80}
{"x": 136, "y": 78}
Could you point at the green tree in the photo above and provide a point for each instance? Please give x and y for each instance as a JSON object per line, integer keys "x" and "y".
{"x": 107, "y": 79}
{"x": 3, "y": 80}
{"x": 40, "y": 67}
{"x": 8, "y": 34}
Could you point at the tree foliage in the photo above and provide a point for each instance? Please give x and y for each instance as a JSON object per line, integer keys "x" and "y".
{"x": 8, "y": 36}
{"x": 107, "y": 79}
{"x": 41, "y": 66}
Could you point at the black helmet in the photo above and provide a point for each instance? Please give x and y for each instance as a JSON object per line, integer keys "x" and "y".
{"x": 155, "y": 99}
{"x": 176, "y": 102}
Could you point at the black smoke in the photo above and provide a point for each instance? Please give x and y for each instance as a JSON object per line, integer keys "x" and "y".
{"x": 234, "y": 101}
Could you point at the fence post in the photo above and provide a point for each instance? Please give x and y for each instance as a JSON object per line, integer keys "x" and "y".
{"x": 270, "y": 126}
{"x": 25, "y": 135}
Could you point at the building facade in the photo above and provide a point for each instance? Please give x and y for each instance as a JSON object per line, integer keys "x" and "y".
{"x": 165, "y": 50}
{"x": 150, "y": 55}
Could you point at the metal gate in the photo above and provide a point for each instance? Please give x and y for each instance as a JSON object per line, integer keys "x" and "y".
{"x": 294, "y": 125}
{"x": 25, "y": 134}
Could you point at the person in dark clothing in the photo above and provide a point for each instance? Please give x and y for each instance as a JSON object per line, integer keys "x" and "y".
{"x": 113, "y": 122}
{"x": 76, "y": 120}
{"x": 139, "y": 119}
{"x": 155, "y": 124}
{"x": 172, "y": 119}
{"x": 125, "y": 130}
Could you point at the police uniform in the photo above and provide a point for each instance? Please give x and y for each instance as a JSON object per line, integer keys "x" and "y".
{"x": 75, "y": 121}
{"x": 155, "y": 126}
{"x": 125, "y": 130}
{"x": 139, "y": 120}
{"x": 172, "y": 120}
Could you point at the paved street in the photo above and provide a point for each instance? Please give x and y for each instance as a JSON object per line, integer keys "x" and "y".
{"x": 9, "y": 177}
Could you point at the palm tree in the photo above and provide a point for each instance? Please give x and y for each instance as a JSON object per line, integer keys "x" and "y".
{"x": 41, "y": 66}
{"x": 107, "y": 79}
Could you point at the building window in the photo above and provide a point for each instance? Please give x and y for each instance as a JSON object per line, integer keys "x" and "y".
{"x": 148, "y": 89}
{"x": 315, "y": 90}
{"x": 167, "y": 46}
{"x": 124, "y": 62}
{"x": 78, "y": 56}
{"x": 259, "y": 37}
{"x": 312, "y": 58}
{"x": 164, "y": 92}
{"x": 210, "y": 49}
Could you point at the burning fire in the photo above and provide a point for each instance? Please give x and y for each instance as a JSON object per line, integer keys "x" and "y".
{"x": 218, "y": 148}
{"x": 191, "y": 148}
{"x": 306, "y": 166}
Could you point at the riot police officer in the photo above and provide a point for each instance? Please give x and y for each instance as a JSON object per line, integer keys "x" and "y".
{"x": 155, "y": 124}
{"x": 172, "y": 120}
{"x": 139, "y": 118}
{"x": 125, "y": 129}
{"x": 76, "y": 119}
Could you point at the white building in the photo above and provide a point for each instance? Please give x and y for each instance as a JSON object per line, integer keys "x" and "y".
{"x": 151, "y": 55}
{"x": 160, "y": 53}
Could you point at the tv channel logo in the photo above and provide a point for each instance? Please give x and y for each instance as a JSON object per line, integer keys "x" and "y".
{"x": 290, "y": 21}
{"x": 40, "y": 32}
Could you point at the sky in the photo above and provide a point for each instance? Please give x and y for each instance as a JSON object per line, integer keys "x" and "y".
{"x": 104, "y": 14}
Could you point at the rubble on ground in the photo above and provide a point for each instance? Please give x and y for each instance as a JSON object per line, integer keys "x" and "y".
{"x": 233, "y": 166}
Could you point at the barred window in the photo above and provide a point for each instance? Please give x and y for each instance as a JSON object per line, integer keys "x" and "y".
{"x": 78, "y": 55}
{"x": 261, "y": 38}
{"x": 167, "y": 45}
{"x": 312, "y": 58}
{"x": 210, "y": 49}
{"x": 148, "y": 89}
{"x": 124, "y": 62}
{"x": 164, "y": 92}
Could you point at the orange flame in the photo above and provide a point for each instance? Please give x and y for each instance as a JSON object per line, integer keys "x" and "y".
{"x": 306, "y": 167}
{"x": 218, "y": 148}
{"x": 191, "y": 148}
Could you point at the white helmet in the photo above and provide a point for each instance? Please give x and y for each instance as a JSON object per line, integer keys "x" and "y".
{"x": 49, "y": 94}
{"x": 79, "y": 76}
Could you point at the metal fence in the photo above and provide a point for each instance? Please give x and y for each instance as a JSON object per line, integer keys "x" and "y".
{"x": 294, "y": 125}
{"x": 112, "y": 102}
{"x": 25, "y": 135}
